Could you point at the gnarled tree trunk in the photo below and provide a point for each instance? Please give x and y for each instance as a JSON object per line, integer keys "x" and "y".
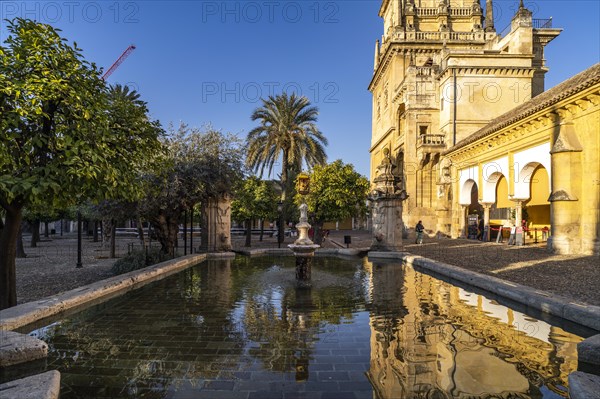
{"x": 166, "y": 228}
{"x": 8, "y": 247}
{"x": 107, "y": 230}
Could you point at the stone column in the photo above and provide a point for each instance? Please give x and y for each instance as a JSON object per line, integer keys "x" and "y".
{"x": 519, "y": 232}
{"x": 486, "y": 220}
{"x": 567, "y": 177}
{"x": 518, "y": 211}
{"x": 218, "y": 211}
{"x": 462, "y": 220}
{"x": 387, "y": 225}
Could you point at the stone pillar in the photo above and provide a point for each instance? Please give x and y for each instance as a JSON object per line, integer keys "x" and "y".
{"x": 303, "y": 269}
{"x": 486, "y": 220}
{"x": 519, "y": 232}
{"x": 218, "y": 212}
{"x": 387, "y": 200}
{"x": 387, "y": 224}
{"x": 518, "y": 211}
{"x": 565, "y": 207}
{"x": 462, "y": 220}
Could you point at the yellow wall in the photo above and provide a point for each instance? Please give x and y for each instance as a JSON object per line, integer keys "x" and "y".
{"x": 540, "y": 187}
{"x": 502, "y": 200}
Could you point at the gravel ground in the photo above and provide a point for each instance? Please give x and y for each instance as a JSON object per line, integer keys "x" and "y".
{"x": 50, "y": 268}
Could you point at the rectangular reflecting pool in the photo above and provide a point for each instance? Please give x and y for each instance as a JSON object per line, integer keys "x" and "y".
{"x": 241, "y": 329}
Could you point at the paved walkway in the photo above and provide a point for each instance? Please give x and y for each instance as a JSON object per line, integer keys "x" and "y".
{"x": 50, "y": 268}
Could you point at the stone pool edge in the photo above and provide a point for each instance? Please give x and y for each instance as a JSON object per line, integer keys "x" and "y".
{"x": 30, "y": 312}
{"x": 555, "y": 305}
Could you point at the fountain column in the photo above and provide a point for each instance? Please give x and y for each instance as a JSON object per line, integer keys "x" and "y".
{"x": 303, "y": 247}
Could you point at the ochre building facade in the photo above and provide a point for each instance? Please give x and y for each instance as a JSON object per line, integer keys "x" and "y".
{"x": 473, "y": 132}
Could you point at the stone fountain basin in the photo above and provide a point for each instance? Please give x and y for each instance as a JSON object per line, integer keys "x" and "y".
{"x": 303, "y": 249}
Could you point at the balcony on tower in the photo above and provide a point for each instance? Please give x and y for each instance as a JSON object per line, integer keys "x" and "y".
{"x": 429, "y": 146}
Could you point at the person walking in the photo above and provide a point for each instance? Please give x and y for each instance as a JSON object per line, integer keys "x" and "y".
{"x": 419, "y": 228}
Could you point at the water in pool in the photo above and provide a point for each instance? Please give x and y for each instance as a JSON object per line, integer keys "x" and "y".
{"x": 241, "y": 329}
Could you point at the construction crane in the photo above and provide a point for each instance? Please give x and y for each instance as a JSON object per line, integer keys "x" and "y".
{"x": 118, "y": 62}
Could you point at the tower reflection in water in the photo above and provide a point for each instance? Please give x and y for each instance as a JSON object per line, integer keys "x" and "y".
{"x": 435, "y": 340}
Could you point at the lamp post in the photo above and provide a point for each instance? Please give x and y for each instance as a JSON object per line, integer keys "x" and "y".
{"x": 280, "y": 224}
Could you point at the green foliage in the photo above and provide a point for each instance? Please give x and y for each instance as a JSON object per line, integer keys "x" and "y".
{"x": 288, "y": 130}
{"x": 64, "y": 138}
{"x": 198, "y": 165}
{"x": 337, "y": 192}
{"x": 254, "y": 199}
{"x": 138, "y": 260}
{"x": 61, "y": 137}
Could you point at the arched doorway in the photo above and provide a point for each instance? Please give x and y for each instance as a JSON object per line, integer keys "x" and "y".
{"x": 469, "y": 198}
{"x": 536, "y": 210}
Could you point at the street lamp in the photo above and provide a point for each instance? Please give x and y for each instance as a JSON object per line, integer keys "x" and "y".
{"x": 280, "y": 224}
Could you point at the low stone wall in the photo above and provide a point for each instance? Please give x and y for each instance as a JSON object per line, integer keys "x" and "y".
{"x": 18, "y": 348}
{"x": 27, "y": 313}
{"x": 40, "y": 386}
{"x": 583, "y": 314}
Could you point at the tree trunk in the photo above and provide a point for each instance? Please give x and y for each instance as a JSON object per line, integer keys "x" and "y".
{"x": 107, "y": 229}
{"x": 248, "y": 233}
{"x": 140, "y": 230}
{"x": 95, "y": 231}
{"x": 8, "y": 248}
{"x": 35, "y": 233}
{"x": 20, "y": 249}
{"x": 46, "y": 231}
{"x": 318, "y": 235}
{"x": 203, "y": 227}
{"x": 166, "y": 229}
{"x": 113, "y": 234}
{"x": 262, "y": 229}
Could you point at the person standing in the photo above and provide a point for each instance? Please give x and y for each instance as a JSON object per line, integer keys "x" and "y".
{"x": 419, "y": 228}
{"x": 480, "y": 230}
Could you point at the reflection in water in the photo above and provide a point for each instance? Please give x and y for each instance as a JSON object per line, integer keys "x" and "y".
{"x": 243, "y": 328}
{"x": 437, "y": 340}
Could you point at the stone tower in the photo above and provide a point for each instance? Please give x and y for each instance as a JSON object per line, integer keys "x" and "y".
{"x": 441, "y": 72}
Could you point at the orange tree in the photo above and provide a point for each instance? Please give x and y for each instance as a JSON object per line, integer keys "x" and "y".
{"x": 337, "y": 192}
{"x": 58, "y": 145}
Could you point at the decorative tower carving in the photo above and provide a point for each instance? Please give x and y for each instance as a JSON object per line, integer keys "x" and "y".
{"x": 489, "y": 16}
{"x": 387, "y": 200}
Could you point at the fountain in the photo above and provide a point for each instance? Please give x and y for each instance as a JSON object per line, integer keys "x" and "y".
{"x": 303, "y": 247}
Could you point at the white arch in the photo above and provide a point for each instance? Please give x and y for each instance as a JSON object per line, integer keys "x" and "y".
{"x": 525, "y": 163}
{"x": 465, "y": 192}
{"x": 464, "y": 175}
{"x": 491, "y": 173}
{"x": 489, "y": 187}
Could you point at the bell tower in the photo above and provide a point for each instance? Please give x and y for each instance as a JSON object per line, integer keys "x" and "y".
{"x": 441, "y": 72}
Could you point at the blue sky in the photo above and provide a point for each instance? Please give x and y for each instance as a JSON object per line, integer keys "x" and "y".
{"x": 210, "y": 61}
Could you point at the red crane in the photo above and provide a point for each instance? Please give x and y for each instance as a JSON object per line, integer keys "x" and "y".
{"x": 118, "y": 62}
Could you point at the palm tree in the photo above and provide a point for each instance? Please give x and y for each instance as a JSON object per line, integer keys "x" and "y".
{"x": 118, "y": 91}
{"x": 287, "y": 129}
